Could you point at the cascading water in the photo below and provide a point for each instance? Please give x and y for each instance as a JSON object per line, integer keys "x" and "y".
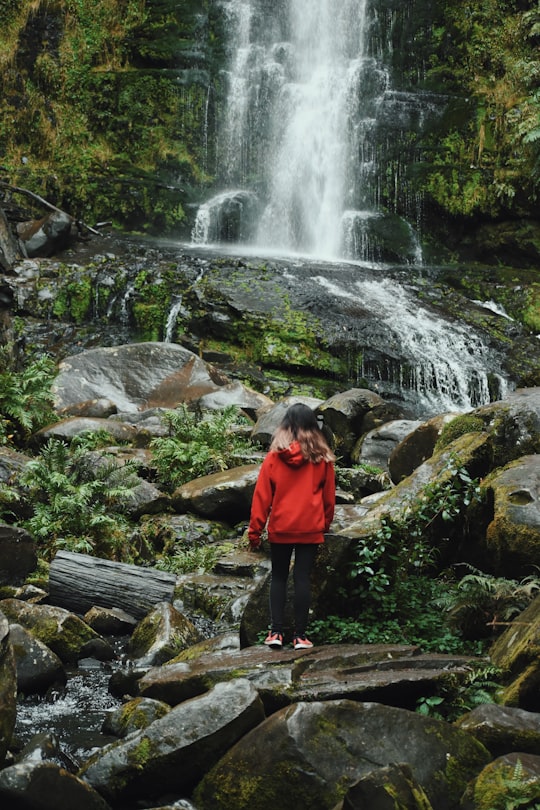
{"x": 441, "y": 366}
{"x": 315, "y": 148}
{"x": 300, "y": 143}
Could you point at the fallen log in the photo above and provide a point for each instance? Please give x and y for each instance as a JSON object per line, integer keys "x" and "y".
{"x": 78, "y": 582}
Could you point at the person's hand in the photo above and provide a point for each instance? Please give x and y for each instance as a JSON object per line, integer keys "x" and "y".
{"x": 255, "y": 545}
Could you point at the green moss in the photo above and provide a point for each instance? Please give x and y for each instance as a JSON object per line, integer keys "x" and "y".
{"x": 140, "y": 755}
{"x": 74, "y": 296}
{"x": 467, "y": 423}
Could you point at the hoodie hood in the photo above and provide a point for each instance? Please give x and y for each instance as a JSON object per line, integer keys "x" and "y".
{"x": 292, "y": 455}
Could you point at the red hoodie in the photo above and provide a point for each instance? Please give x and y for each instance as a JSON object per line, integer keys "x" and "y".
{"x": 298, "y": 495}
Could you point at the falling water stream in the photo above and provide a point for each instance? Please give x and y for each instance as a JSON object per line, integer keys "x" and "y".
{"x": 313, "y": 156}
{"x": 300, "y": 158}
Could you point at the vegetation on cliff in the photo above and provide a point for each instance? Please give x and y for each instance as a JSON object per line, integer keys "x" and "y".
{"x": 111, "y": 113}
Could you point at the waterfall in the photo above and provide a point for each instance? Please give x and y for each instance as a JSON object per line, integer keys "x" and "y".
{"x": 308, "y": 105}
{"x": 442, "y": 364}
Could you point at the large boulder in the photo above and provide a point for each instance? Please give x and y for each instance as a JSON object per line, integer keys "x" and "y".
{"x": 47, "y": 786}
{"x": 174, "y": 752}
{"x": 271, "y": 416}
{"x": 517, "y": 653}
{"x": 307, "y": 755}
{"x": 38, "y": 668}
{"x": 503, "y": 729}
{"x": 46, "y": 236}
{"x": 474, "y": 453}
{"x": 514, "y": 424}
{"x": 513, "y": 535}
{"x": 135, "y": 377}
{"x": 63, "y": 632}
{"x": 416, "y": 447}
{"x": 221, "y": 496}
{"x": 162, "y": 633}
{"x": 8, "y": 688}
{"x": 376, "y": 446}
{"x": 350, "y": 414}
{"x": 390, "y": 788}
{"x": 510, "y": 781}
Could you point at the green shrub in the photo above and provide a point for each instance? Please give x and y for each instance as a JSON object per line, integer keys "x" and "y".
{"x": 26, "y": 399}
{"x": 78, "y": 505}
{"x": 198, "y": 445}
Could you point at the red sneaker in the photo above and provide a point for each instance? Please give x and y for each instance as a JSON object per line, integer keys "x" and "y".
{"x": 274, "y": 640}
{"x": 302, "y": 643}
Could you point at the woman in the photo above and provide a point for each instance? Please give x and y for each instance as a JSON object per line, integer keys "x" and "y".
{"x": 296, "y": 494}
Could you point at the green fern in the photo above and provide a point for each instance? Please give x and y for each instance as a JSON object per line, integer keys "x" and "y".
{"x": 481, "y": 603}
{"x": 198, "y": 445}
{"x": 26, "y": 400}
{"x": 79, "y": 502}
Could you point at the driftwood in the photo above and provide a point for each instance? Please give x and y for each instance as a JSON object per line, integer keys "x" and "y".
{"x": 42, "y": 201}
{"x": 78, "y": 582}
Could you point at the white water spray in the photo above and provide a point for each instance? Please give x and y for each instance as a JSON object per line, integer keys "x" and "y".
{"x": 443, "y": 364}
{"x": 301, "y": 123}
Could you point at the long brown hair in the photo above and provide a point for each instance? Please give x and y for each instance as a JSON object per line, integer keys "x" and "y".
{"x": 300, "y": 424}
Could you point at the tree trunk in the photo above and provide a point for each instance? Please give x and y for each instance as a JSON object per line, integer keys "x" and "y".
{"x": 78, "y": 582}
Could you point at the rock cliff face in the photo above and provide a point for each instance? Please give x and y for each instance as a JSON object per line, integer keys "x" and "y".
{"x": 110, "y": 114}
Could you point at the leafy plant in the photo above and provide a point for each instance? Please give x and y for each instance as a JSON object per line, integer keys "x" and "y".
{"x": 401, "y": 547}
{"x": 458, "y": 695}
{"x": 392, "y": 572}
{"x": 78, "y": 504}
{"x": 198, "y": 445}
{"x": 26, "y": 399}
{"x": 507, "y": 788}
{"x": 195, "y": 559}
{"x": 479, "y": 603}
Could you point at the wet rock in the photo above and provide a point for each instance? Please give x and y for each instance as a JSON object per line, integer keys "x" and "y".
{"x": 474, "y": 453}
{"x": 160, "y": 635}
{"x": 46, "y": 748}
{"x": 135, "y": 377}
{"x": 93, "y": 408}
{"x": 375, "y": 446}
{"x": 8, "y": 688}
{"x": 110, "y": 621}
{"x": 514, "y": 423}
{"x": 513, "y": 536}
{"x": 135, "y": 715}
{"x": 221, "y": 496}
{"x": 416, "y": 447}
{"x": 503, "y": 729}
{"x": 238, "y": 395}
{"x": 390, "y": 673}
{"x": 494, "y": 785}
{"x": 12, "y": 463}
{"x": 67, "y": 429}
{"x": 273, "y": 414}
{"x": 175, "y": 751}
{"x": 18, "y": 555}
{"x": 356, "y": 738}
{"x": 46, "y": 236}
{"x": 38, "y": 668}
{"x": 45, "y": 785}
{"x": 517, "y": 653}
{"x": 63, "y": 632}
{"x": 350, "y": 414}
{"x": 147, "y": 499}
{"x": 390, "y": 788}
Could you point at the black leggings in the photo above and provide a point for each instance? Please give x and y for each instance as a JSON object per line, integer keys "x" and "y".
{"x": 304, "y": 557}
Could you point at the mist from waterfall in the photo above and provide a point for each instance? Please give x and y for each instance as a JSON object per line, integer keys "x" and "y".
{"x": 299, "y": 131}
